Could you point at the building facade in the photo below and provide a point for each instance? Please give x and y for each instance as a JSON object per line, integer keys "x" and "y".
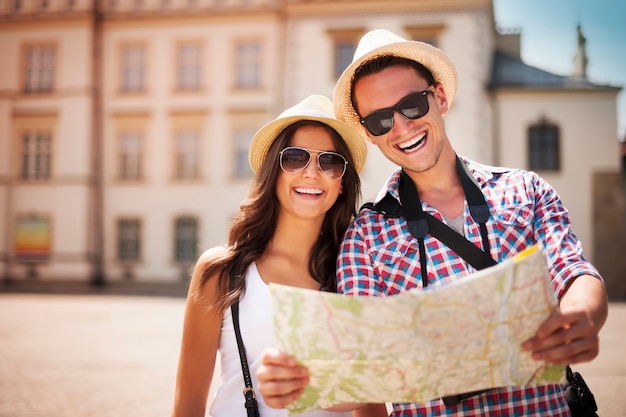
{"x": 124, "y": 124}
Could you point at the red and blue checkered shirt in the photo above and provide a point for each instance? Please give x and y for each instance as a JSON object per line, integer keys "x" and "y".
{"x": 380, "y": 257}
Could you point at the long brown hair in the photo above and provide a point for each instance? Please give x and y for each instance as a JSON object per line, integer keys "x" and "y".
{"x": 255, "y": 224}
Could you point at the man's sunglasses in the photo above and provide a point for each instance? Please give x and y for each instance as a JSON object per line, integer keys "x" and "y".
{"x": 294, "y": 160}
{"x": 412, "y": 107}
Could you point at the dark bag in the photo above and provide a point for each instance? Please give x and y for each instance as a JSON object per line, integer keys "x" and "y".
{"x": 579, "y": 397}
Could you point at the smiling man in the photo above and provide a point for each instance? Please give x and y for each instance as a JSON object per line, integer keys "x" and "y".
{"x": 396, "y": 93}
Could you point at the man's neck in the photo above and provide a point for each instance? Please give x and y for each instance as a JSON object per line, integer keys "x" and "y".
{"x": 440, "y": 186}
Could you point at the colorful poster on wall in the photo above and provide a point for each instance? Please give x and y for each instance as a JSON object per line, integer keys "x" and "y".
{"x": 32, "y": 239}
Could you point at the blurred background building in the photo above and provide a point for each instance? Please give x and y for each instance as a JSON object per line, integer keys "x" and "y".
{"x": 125, "y": 124}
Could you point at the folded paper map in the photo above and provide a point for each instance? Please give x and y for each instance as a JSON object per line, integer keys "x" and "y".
{"x": 421, "y": 344}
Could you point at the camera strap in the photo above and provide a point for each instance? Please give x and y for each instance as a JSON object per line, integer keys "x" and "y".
{"x": 421, "y": 223}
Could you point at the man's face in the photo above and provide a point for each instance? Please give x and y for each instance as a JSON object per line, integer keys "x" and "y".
{"x": 412, "y": 144}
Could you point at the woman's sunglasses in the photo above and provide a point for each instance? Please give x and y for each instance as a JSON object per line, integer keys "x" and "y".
{"x": 412, "y": 107}
{"x": 294, "y": 160}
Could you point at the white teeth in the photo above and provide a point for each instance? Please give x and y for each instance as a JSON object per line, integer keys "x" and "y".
{"x": 412, "y": 142}
{"x": 313, "y": 191}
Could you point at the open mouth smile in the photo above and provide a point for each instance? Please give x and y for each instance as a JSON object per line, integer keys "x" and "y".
{"x": 308, "y": 191}
{"x": 412, "y": 144}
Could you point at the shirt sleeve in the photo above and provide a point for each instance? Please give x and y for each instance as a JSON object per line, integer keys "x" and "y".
{"x": 552, "y": 228}
{"x": 355, "y": 268}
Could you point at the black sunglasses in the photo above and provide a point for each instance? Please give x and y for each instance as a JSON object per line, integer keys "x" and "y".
{"x": 294, "y": 160}
{"x": 412, "y": 107}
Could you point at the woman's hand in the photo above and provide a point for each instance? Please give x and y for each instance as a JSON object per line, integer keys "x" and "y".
{"x": 281, "y": 379}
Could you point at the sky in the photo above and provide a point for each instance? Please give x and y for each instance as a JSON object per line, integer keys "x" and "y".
{"x": 549, "y": 39}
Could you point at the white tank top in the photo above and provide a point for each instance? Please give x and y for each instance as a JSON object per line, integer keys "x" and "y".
{"x": 257, "y": 332}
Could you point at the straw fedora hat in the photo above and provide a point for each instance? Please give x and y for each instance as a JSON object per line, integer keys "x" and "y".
{"x": 315, "y": 107}
{"x": 381, "y": 42}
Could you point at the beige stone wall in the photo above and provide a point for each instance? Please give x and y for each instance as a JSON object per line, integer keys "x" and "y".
{"x": 586, "y": 147}
{"x": 609, "y": 223}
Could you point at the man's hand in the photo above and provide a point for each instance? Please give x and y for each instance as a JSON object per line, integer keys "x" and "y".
{"x": 281, "y": 379}
{"x": 570, "y": 335}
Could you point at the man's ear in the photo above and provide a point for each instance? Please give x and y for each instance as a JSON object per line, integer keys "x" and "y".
{"x": 441, "y": 99}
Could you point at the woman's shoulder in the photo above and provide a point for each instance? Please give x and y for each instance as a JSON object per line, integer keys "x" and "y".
{"x": 213, "y": 254}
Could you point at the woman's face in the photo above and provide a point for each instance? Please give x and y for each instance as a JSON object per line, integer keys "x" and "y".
{"x": 308, "y": 193}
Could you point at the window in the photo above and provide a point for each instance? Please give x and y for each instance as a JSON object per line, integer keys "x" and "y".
{"x": 130, "y": 165}
{"x": 36, "y": 155}
{"x": 243, "y": 137}
{"x": 187, "y": 154}
{"x": 543, "y": 144}
{"x": 186, "y": 240}
{"x": 133, "y": 68}
{"x": 128, "y": 245}
{"x": 344, "y": 51}
{"x": 425, "y": 33}
{"x": 39, "y": 69}
{"x": 248, "y": 64}
{"x": 189, "y": 58}
{"x": 344, "y": 44}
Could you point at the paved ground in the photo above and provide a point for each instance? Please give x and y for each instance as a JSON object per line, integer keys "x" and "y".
{"x": 90, "y": 355}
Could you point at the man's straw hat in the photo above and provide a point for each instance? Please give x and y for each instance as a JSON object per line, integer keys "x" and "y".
{"x": 315, "y": 107}
{"x": 382, "y": 42}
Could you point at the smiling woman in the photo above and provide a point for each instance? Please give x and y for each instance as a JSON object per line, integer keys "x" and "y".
{"x": 303, "y": 197}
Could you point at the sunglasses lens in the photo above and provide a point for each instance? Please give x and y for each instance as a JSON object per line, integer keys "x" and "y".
{"x": 333, "y": 165}
{"x": 412, "y": 107}
{"x": 379, "y": 123}
{"x": 294, "y": 160}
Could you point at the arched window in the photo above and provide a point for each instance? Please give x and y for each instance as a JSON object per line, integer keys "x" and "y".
{"x": 544, "y": 151}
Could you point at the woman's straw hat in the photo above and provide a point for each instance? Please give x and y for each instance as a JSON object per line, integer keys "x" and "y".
{"x": 315, "y": 107}
{"x": 382, "y": 42}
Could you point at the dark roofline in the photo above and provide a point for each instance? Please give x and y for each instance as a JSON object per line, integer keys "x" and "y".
{"x": 509, "y": 71}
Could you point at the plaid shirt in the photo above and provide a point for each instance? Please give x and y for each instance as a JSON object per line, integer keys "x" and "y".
{"x": 379, "y": 256}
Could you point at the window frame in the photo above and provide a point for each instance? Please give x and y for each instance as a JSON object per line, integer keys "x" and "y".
{"x": 133, "y": 75}
{"x": 185, "y": 82}
{"x": 130, "y": 162}
{"x": 41, "y": 84}
{"x": 186, "y": 241}
{"x": 187, "y": 156}
{"x": 544, "y": 146}
{"x": 243, "y": 121}
{"x": 248, "y": 66}
{"x": 430, "y": 34}
{"x": 35, "y": 162}
{"x": 123, "y": 241}
{"x": 338, "y": 38}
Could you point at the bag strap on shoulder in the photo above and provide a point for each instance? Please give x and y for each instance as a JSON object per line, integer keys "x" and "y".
{"x": 251, "y": 404}
{"x": 421, "y": 223}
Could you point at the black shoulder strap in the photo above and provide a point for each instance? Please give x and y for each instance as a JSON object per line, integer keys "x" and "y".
{"x": 248, "y": 392}
{"x": 387, "y": 206}
{"x": 422, "y": 223}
